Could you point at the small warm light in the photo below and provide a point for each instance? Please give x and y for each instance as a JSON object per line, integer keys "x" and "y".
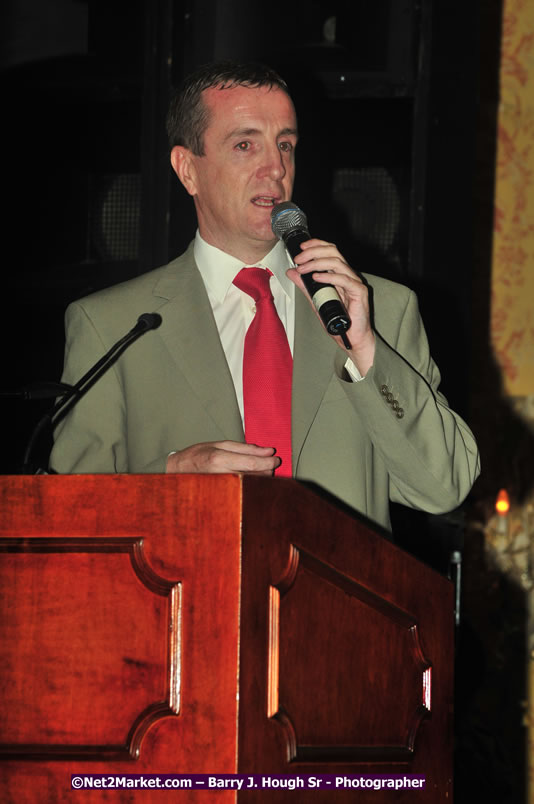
{"x": 502, "y": 504}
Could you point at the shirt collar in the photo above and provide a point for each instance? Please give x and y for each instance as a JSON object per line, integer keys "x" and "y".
{"x": 219, "y": 269}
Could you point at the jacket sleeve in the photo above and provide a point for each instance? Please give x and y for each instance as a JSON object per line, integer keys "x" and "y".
{"x": 430, "y": 453}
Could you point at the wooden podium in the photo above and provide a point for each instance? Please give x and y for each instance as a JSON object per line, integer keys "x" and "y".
{"x": 213, "y": 624}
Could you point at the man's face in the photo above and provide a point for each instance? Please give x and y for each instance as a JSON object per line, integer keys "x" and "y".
{"x": 248, "y": 166}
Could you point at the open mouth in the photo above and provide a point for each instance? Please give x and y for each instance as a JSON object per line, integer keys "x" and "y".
{"x": 265, "y": 200}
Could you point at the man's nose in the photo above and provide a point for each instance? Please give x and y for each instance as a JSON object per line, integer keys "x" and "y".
{"x": 273, "y": 164}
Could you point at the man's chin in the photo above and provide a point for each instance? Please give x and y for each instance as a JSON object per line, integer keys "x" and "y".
{"x": 267, "y": 239}
{"x": 263, "y": 231}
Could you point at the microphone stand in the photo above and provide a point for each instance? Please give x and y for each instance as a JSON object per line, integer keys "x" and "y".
{"x": 75, "y": 392}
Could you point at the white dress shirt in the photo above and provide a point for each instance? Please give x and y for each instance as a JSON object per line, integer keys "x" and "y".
{"x": 233, "y": 309}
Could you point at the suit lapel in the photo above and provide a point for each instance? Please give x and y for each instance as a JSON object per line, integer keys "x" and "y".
{"x": 314, "y": 357}
{"x": 190, "y": 335}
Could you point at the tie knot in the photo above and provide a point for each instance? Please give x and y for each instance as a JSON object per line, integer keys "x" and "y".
{"x": 255, "y": 282}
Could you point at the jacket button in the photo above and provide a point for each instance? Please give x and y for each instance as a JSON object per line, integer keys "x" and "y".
{"x": 395, "y": 404}
{"x": 384, "y": 390}
{"x": 400, "y": 413}
{"x": 389, "y": 397}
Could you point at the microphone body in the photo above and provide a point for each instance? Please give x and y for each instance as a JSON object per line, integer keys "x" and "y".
{"x": 289, "y": 223}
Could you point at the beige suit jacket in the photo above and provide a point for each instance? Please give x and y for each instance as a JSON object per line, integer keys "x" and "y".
{"x": 172, "y": 388}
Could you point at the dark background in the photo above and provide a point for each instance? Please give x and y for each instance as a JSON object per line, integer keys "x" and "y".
{"x": 397, "y": 103}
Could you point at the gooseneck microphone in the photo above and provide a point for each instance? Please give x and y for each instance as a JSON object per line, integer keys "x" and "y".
{"x": 289, "y": 223}
{"x": 71, "y": 397}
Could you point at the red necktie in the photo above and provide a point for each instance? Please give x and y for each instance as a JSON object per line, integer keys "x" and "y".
{"x": 267, "y": 371}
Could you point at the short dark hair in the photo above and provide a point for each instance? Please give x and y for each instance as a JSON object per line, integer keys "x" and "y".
{"x": 188, "y": 115}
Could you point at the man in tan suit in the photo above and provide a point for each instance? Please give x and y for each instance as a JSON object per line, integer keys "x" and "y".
{"x": 368, "y": 423}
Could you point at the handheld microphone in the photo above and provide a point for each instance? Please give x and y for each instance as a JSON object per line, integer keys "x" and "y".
{"x": 290, "y": 224}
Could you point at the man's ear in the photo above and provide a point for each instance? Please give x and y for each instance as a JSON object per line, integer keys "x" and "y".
{"x": 182, "y": 161}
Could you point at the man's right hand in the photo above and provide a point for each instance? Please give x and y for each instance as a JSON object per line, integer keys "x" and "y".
{"x": 220, "y": 457}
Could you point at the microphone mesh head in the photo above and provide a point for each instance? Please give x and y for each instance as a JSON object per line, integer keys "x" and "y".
{"x": 287, "y": 217}
{"x": 150, "y": 320}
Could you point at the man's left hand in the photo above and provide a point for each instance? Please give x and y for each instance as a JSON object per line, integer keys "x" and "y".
{"x": 319, "y": 256}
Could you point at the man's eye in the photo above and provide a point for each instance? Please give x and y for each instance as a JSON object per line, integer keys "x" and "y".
{"x": 243, "y": 146}
{"x": 285, "y": 146}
